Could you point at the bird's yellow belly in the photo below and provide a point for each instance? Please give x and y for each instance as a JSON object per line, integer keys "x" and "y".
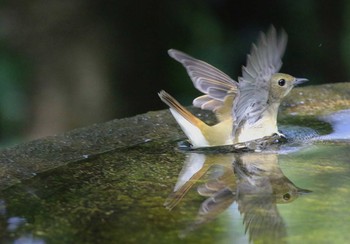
{"x": 264, "y": 127}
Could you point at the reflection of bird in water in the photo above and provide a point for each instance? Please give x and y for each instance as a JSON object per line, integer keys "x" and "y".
{"x": 261, "y": 185}
{"x": 254, "y": 181}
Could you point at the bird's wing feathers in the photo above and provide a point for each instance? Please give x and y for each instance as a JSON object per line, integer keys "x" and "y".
{"x": 264, "y": 60}
{"x": 253, "y": 88}
{"x": 218, "y": 87}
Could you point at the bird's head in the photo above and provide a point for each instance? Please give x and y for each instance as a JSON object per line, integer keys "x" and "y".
{"x": 281, "y": 84}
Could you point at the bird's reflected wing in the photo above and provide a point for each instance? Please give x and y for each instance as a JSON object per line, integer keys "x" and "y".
{"x": 211, "y": 208}
{"x": 264, "y": 60}
{"x": 261, "y": 219}
{"x": 219, "y": 89}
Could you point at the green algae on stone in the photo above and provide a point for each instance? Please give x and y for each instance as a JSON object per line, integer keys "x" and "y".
{"x": 92, "y": 191}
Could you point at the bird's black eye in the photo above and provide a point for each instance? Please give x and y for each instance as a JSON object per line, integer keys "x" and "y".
{"x": 281, "y": 82}
{"x": 286, "y": 196}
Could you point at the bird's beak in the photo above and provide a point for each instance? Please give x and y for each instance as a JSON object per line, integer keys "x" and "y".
{"x": 299, "y": 81}
{"x": 303, "y": 191}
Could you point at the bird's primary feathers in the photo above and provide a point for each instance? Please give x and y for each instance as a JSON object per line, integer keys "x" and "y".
{"x": 247, "y": 109}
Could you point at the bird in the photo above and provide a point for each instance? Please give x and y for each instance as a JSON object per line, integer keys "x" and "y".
{"x": 246, "y": 109}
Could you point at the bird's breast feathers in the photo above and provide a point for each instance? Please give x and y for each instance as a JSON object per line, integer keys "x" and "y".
{"x": 266, "y": 125}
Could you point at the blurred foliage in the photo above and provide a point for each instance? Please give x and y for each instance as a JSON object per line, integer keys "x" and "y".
{"x": 12, "y": 95}
{"x": 121, "y": 47}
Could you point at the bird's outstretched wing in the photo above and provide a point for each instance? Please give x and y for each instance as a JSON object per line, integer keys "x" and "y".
{"x": 264, "y": 60}
{"x": 219, "y": 88}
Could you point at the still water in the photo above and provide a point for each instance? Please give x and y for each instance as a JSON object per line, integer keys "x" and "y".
{"x": 156, "y": 193}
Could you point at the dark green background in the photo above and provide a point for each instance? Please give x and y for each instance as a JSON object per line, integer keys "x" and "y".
{"x": 43, "y": 43}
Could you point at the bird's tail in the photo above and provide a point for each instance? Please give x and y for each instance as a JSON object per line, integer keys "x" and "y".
{"x": 190, "y": 124}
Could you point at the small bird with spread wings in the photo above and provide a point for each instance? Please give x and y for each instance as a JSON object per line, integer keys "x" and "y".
{"x": 246, "y": 110}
